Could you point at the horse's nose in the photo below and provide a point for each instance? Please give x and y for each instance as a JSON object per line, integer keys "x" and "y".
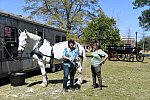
{"x": 20, "y": 51}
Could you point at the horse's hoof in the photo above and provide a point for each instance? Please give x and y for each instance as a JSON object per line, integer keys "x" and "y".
{"x": 79, "y": 82}
{"x": 47, "y": 82}
{"x": 43, "y": 84}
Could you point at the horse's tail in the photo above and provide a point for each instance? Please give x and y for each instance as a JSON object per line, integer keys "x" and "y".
{"x": 83, "y": 57}
{"x": 82, "y": 64}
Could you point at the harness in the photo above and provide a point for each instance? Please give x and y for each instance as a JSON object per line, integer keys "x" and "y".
{"x": 36, "y": 49}
{"x": 40, "y": 54}
{"x": 52, "y": 57}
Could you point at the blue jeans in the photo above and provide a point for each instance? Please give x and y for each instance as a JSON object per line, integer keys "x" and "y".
{"x": 68, "y": 70}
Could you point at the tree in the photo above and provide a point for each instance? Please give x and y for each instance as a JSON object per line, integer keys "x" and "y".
{"x": 65, "y": 14}
{"x": 103, "y": 29}
{"x": 145, "y": 41}
{"x": 144, "y": 19}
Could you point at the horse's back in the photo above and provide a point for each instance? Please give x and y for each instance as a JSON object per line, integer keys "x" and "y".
{"x": 46, "y": 48}
{"x": 58, "y": 49}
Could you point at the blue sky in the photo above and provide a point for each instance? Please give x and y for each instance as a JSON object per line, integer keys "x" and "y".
{"x": 121, "y": 10}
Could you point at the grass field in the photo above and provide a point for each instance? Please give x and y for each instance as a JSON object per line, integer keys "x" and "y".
{"x": 123, "y": 81}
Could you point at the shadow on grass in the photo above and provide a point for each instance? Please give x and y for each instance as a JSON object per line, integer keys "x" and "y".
{"x": 49, "y": 81}
{"x": 34, "y": 83}
{"x": 53, "y": 82}
{"x": 56, "y": 81}
{"x": 104, "y": 86}
{"x": 4, "y": 81}
{"x": 97, "y": 86}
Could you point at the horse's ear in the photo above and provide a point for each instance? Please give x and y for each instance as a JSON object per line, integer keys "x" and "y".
{"x": 25, "y": 31}
{"x": 19, "y": 31}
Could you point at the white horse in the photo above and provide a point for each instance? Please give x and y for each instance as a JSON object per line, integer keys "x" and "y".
{"x": 41, "y": 51}
{"x": 58, "y": 53}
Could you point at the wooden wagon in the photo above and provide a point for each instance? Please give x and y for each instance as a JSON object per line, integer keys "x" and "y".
{"x": 125, "y": 53}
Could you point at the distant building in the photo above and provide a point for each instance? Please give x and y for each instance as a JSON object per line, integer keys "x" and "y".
{"x": 129, "y": 41}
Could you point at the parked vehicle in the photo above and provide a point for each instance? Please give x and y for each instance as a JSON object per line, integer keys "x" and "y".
{"x": 9, "y": 26}
{"x": 125, "y": 52}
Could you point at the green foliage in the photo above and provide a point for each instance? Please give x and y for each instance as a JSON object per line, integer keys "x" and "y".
{"x": 88, "y": 54}
{"x": 141, "y": 3}
{"x": 103, "y": 29}
{"x": 65, "y": 14}
{"x": 146, "y": 41}
{"x": 144, "y": 19}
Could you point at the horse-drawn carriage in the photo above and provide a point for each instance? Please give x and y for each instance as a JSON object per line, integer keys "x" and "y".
{"x": 125, "y": 53}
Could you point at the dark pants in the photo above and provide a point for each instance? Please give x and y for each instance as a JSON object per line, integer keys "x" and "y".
{"x": 67, "y": 71}
{"x": 96, "y": 72}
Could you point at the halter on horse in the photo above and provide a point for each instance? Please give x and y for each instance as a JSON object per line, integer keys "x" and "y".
{"x": 40, "y": 50}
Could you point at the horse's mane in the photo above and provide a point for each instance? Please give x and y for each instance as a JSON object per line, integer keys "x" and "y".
{"x": 36, "y": 37}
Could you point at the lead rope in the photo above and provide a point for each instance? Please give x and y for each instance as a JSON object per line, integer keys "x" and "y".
{"x": 7, "y": 64}
{"x": 8, "y": 52}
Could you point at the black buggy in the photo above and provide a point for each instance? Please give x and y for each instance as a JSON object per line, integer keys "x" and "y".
{"x": 125, "y": 53}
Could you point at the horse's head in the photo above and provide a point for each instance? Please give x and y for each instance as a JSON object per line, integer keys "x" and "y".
{"x": 22, "y": 41}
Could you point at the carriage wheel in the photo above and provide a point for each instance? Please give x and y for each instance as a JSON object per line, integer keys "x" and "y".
{"x": 113, "y": 55}
{"x": 121, "y": 57}
{"x": 140, "y": 57}
{"x": 130, "y": 57}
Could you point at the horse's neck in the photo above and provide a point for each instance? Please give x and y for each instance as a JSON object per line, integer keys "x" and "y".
{"x": 33, "y": 40}
{"x": 34, "y": 37}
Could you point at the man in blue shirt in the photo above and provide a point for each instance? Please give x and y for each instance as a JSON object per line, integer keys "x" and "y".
{"x": 70, "y": 56}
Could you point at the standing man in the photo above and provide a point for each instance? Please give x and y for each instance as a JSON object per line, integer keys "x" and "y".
{"x": 70, "y": 56}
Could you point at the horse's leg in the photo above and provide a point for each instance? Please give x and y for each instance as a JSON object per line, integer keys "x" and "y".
{"x": 79, "y": 73}
{"x": 44, "y": 76}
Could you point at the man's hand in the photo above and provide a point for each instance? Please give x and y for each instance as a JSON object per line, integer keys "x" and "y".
{"x": 76, "y": 59}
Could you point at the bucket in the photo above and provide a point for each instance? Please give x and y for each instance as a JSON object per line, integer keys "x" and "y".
{"x": 17, "y": 79}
